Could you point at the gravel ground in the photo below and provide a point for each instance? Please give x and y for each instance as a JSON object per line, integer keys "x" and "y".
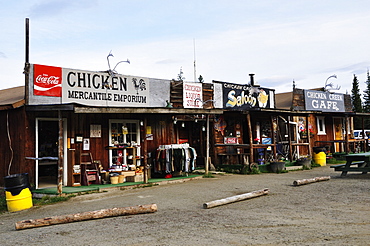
{"x": 334, "y": 212}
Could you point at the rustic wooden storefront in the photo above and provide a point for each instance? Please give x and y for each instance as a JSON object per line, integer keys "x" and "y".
{"x": 330, "y": 121}
{"x": 258, "y": 136}
{"x": 37, "y": 123}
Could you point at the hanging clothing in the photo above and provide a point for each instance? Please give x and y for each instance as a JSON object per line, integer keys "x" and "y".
{"x": 175, "y": 158}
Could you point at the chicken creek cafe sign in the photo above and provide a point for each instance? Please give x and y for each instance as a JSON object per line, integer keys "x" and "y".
{"x": 90, "y": 88}
{"x": 243, "y": 97}
{"x": 324, "y": 101}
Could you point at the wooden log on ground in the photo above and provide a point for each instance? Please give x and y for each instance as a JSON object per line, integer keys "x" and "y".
{"x": 308, "y": 181}
{"x": 235, "y": 198}
{"x": 104, "y": 213}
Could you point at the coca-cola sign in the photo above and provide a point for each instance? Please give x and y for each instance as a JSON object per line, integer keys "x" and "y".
{"x": 47, "y": 81}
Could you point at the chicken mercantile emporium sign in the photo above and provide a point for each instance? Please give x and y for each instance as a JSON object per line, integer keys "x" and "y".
{"x": 90, "y": 88}
{"x": 324, "y": 101}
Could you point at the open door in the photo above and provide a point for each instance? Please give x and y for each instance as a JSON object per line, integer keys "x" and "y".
{"x": 338, "y": 133}
{"x": 47, "y": 135}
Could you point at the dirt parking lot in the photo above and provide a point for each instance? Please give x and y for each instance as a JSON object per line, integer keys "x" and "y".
{"x": 334, "y": 212}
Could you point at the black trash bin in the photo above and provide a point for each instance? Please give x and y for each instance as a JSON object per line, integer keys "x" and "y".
{"x": 319, "y": 149}
{"x": 17, "y": 192}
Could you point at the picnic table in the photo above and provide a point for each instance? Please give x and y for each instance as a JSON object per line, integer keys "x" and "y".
{"x": 359, "y": 162}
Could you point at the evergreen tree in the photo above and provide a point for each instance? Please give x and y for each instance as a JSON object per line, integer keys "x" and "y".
{"x": 356, "y": 96}
{"x": 356, "y": 102}
{"x": 366, "y": 108}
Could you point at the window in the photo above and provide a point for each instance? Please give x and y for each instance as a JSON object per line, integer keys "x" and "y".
{"x": 123, "y": 132}
{"x": 321, "y": 125}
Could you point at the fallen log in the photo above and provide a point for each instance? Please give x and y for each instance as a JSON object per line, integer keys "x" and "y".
{"x": 308, "y": 181}
{"x": 235, "y": 198}
{"x": 104, "y": 213}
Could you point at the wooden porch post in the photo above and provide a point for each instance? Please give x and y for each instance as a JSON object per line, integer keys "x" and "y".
{"x": 290, "y": 140}
{"x": 207, "y": 147}
{"x": 145, "y": 153}
{"x": 60, "y": 154}
{"x": 308, "y": 136}
{"x": 346, "y": 131}
{"x": 249, "y": 125}
{"x": 273, "y": 137}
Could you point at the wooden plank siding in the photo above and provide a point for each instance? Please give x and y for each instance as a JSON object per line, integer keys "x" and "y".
{"x": 19, "y": 141}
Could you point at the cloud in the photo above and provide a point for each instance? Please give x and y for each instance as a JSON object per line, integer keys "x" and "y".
{"x": 167, "y": 61}
{"x": 56, "y": 7}
{"x": 356, "y": 68}
{"x": 47, "y": 9}
{"x": 2, "y": 55}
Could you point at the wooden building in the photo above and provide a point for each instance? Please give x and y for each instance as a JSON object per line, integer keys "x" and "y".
{"x": 330, "y": 119}
{"x": 71, "y": 117}
{"x": 63, "y": 120}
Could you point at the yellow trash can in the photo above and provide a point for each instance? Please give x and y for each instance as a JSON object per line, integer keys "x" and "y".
{"x": 17, "y": 192}
{"x": 319, "y": 156}
{"x": 19, "y": 202}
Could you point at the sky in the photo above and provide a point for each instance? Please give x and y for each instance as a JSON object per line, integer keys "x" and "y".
{"x": 279, "y": 41}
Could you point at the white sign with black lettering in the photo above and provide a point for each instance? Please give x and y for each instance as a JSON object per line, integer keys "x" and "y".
{"x": 102, "y": 89}
{"x": 324, "y": 101}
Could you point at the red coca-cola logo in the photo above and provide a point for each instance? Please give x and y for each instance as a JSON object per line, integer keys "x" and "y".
{"x": 47, "y": 81}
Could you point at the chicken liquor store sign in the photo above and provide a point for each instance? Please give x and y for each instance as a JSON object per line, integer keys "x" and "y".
{"x": 90, "y": 88}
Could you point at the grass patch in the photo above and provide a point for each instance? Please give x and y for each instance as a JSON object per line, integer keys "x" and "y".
{"x": 208, "y": 175}
{"x": 46, "y": 200}
{"x": 334, "y": 161}
{"x": 254, "y": 170}
{"x": 142, "y": 186}
{"x": 3, "y": 206}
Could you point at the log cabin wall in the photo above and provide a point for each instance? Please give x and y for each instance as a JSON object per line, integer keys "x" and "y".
{"x": 23, "y": 130}
{"x": 176, "y": 94}
{"x": 16, "y": 147}
{"x": 79, "y": 124}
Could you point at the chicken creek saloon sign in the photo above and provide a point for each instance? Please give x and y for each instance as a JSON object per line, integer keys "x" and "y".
{"x": 90, "y": 88}
{"x": 324, "y": 101}
{"x": 244, "y": 97}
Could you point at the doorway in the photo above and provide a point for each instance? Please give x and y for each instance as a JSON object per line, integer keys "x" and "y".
{"x": 47, "y": 135}
{"x": 338, "y": 133}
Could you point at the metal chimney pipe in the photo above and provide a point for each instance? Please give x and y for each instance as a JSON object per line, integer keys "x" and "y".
{"x": 252, "y": 79}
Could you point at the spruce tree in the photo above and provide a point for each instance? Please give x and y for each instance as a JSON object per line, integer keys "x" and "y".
{"x": 366, "y": 107}
{"x": 356, "y": 96}
{"x": 356, "y": 102}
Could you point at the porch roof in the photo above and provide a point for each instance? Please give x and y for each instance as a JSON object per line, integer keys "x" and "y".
{"x": 12, "y": 97}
